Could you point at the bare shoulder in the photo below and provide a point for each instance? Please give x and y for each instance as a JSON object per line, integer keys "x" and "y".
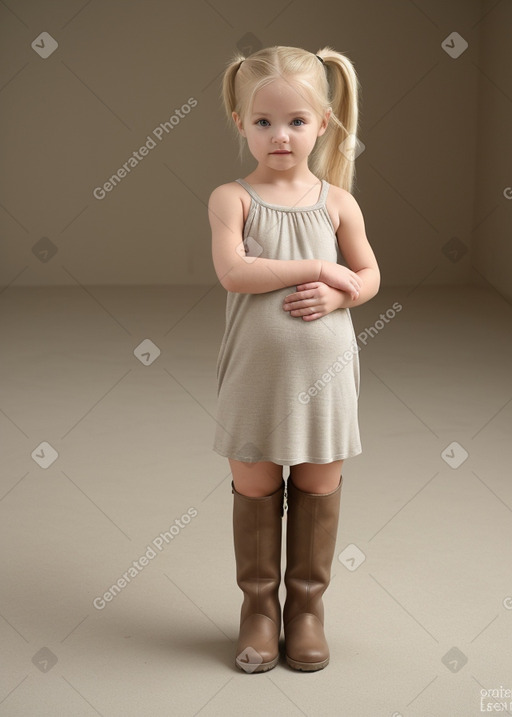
{"x": 226, "y": 192}
{"x": 229, "y": 198}
{"x": 341, "y": 205}
{"x": 345, "y": 203}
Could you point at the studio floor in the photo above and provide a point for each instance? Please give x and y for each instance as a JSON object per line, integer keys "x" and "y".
{"x": 107, "y": 421}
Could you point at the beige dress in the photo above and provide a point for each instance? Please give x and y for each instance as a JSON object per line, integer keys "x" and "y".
{"x": 288, "y": 389}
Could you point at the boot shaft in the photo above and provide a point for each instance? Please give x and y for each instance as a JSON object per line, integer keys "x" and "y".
{"x": 312, "y": 525}
{"x": 257, "y": 531}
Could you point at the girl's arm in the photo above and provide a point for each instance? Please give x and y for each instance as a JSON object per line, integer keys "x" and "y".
{"x": 356, "y": 249}
{"x": 312, "y": 300}
{"x": 257, "y": 275}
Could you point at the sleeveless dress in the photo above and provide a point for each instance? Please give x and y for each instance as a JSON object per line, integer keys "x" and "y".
{"x": 288, "y": 389}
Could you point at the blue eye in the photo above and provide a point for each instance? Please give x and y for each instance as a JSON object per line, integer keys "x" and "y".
{"x": 297, "y": 119}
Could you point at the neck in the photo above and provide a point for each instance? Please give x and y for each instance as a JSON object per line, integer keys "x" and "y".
{"x": 295, "y": 175}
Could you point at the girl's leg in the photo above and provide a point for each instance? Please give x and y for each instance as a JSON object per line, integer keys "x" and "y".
{"x": 315, "y": 477}
{"x": 256, "y": 480}
{"x": 258, "y": 491}
{"x": 313, "y": 510}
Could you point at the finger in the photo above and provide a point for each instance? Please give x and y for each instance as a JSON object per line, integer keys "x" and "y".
{"x": 290, "y": 305}
{"x": 300, "y": 296}
{"x": 296, "y": 296}
{"x": 297, "y": 306}
{"x": 304, "y": 311}
{"x": 306, "y": 305}
{"x": 312, "y": 317}
{"x": 307, "y": 293}
{"x": 306, "y": 287}
{"x": 355, "y": 288}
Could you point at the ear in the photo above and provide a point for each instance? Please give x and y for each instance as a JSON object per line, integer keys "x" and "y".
{"x": 325, "y": 122}
{"x": 238, "y": 122}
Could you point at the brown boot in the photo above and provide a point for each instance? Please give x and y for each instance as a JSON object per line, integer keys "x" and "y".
{"x": 257, "y": 526}
{"x": 311, "y": 540}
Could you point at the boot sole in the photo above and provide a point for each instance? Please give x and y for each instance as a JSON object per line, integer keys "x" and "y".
{"x": 307, "y": 666}
{"x": 262, "y": 667}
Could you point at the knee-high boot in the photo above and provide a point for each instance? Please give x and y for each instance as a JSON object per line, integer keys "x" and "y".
{"x": 257, "y": 528}
{"x": 311, "y": 539}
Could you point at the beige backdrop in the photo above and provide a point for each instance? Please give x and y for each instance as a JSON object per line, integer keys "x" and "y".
{"x": 434, "y": 181}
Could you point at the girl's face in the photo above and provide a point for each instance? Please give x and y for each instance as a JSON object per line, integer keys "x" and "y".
{"x": 283, "y": 126}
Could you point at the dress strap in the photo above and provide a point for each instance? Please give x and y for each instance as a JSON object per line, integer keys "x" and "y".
{"x": 249, "y": 189}
{"x": 323, "y": 194}
{"x": 319, "y": 204}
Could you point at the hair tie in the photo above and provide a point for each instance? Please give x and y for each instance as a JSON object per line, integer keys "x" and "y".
{"x": 323, "y": 63}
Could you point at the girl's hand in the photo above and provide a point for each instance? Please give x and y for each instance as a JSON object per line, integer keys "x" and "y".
{"x": 340, "y": 277}
{"x": 314, "y": 300}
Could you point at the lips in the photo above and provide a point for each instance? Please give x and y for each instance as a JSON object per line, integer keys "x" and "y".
{"x": 281, "y": 151}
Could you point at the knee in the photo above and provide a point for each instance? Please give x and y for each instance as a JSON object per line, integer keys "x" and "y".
{"x": 315, "y": 487}
{"x": 318, "y": 479}
{"x": 256, "y": 490}
{"x": 256, "y": 480}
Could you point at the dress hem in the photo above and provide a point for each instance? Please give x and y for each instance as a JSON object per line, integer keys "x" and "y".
{"x": 291, "y": 461}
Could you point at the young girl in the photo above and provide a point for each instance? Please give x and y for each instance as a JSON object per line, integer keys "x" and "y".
{"x": 288, "y": 368}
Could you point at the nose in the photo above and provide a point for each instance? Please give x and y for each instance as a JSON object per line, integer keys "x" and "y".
{"x": 280, "y": 135}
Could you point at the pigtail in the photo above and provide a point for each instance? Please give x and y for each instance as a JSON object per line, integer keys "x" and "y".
{"x": 229, "y": 97}
{"x": 329, "y": 161}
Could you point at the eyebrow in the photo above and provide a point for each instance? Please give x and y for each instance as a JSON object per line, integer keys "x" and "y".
{"x": 290, "y": 114}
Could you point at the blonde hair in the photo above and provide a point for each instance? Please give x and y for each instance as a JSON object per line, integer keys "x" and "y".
{"x": 330, "y": 83}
